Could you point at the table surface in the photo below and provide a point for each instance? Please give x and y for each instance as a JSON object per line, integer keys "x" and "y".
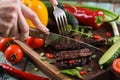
{"x": 26, "y": 65}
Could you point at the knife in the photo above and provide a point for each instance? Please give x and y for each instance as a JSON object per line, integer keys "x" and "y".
{"x": 54, "y": 39}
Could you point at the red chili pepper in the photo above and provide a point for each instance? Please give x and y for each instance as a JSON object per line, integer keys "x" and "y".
{"x": 108, "y": 34}
{"x": 72, "y": 61}
{"x": 49, "y": 55}
{"x": 77, "y": 38}
{"x": 96, "y": 37}
{"x": 83, "y": 72}
{"x": 86, "y": 16}
{"x": 20, "y": 74}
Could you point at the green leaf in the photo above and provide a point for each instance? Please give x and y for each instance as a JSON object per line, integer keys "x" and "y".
{"x": 69, "y": 28}
{"x": 114, "y": 39}
{"x": 89, "y": 34}
{"x": 79, "y": 68}
{"x": 72, "y": 72}
{"x": 77, "y": 27}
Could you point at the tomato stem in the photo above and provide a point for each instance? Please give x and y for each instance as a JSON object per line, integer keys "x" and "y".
{"x": 13, "y": 56}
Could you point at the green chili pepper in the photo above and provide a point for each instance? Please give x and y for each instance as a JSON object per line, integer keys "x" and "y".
{"x": 72, "y": 72}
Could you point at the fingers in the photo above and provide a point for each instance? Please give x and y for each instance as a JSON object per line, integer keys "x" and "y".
{"x": 4, "y": 28}
{"x": 34, "y": 18}
{"x": 12, "y": 20}
{"x": 14, "y": 30}
{"x": 23, "y": 26}
{"x": 8, "y": 18}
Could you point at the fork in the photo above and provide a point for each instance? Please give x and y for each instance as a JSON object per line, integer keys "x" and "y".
{"x": 60, "y": 18}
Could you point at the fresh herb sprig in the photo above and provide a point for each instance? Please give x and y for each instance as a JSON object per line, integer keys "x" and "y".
{"x": 80, "y": 31}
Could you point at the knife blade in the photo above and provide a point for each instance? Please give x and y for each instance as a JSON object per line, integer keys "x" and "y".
{"x": 54, "y": 39}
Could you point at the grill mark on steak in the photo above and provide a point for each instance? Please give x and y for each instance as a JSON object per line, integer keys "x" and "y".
{"x": 73, "y": 54}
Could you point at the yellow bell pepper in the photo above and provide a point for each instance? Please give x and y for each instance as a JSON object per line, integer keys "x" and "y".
{"x": 39, "y": 8}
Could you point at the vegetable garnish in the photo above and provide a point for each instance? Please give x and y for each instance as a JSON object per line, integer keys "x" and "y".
{"x": 49, "y": 55}
{"x": 34, "y": 42}
{"x": 112, "y": 53}
{"x": 108, "y": 34}
{"x": 20, "y": 74}
{"x": 83, "y": 72}
{"x": 110, "y": 13}
{"x": 86, "y": 16}
{"x": 109, "y": 16}
{"x": 72, "y": 72}
{"x": 116, "y": 65}
{"x": 14, "y": 54}
{"x": 38, "y": 7}
{"x": 96, "y": 37}
{"x": 4, "y": 43}
{"x": 79, "y": 31}
{"x": 114, "y": 39}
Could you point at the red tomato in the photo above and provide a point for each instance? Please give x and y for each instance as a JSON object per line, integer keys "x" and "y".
{"x": 14, "y": 54}
{"x": 38, "y": 42}
{"x": 49, "y": 55}
{"x": 4, "y": 43}
{"x": 116, "y": 65}
{"x": 34, "y": 42}
{"x": 29, "y": 41}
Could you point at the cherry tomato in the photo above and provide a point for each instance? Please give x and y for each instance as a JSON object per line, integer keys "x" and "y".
{"x": 116, "y": 65}
{"x": 4, "y": 43}
{"x": 34, "y": 42}
{"x": 14, "y": 54}
{"x": 29, "y": 41}
{"x": 39, "y": 42}
{"x": 49, "y": 55}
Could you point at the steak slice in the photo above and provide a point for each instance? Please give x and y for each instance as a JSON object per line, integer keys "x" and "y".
{"x": 67, "y": 64}
{"x": 73, "y": 54}
{"x": 66, "y": 44}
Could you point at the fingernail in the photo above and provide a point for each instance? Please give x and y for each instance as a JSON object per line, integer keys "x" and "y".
{"x": 47, "y": 31}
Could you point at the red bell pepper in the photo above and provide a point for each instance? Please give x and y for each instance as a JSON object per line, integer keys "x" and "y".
{"x": 86, "y": 16}
{"x": 20, "y": 74}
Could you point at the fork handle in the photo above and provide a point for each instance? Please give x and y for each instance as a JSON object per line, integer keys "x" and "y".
{"x": 54, "y": 2}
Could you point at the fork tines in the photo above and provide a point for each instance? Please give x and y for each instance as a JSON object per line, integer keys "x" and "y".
{"x": 61, "y": 20}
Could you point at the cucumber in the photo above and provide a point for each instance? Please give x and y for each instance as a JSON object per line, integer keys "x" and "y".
{"x": 112, "y": 53}
{"x": 71, "y": 20}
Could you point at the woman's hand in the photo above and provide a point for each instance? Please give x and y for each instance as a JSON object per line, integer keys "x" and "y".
{"x": 12, "y": 21}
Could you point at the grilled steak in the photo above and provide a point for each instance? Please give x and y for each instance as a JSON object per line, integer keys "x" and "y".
{"x": 66, "y": 44}
{"x": 73, "y": 54}
{"x": 67, "y": 64}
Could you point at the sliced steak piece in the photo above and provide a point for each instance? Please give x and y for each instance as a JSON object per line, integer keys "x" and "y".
{"x": 72, "y": 63}
{"x": 66, "y": 44}
{"x": 73, "y": 54}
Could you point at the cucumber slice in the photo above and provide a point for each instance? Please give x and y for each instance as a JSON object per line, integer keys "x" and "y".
{"x": 112, "y": 53}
